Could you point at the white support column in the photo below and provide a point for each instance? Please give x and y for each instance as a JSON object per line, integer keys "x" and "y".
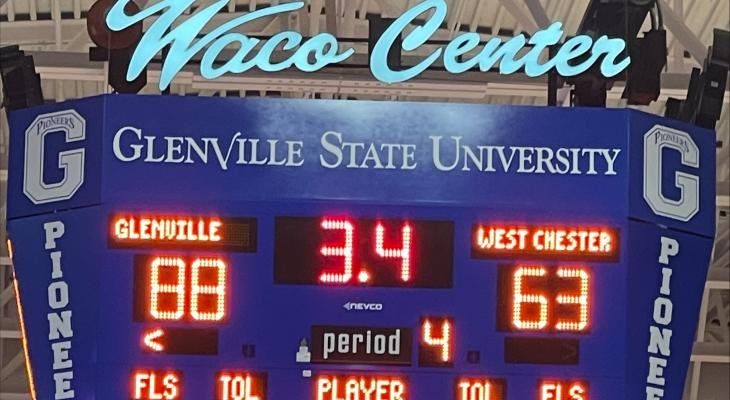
{"x": 33, "y": 10}
{"x": 678, "y": 51}
{"x": 11, "y": 11}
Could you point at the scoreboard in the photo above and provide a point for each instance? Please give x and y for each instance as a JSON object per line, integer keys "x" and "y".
{"x": 272, "y": 249}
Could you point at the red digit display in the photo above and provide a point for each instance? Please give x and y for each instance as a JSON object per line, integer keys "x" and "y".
{"x": 521, "y": 299}
{"x": 343, "y": 251}
{"x": 542, "y": 298}
{"x": 167, "y": 296}
{"x": 403, "y": 253}
{"x": 579, "y": 299}
{"x": 436, "y": 348}
{"x": 208, "y": 299}
{"x": 363, "y": 252}
{"x": 180, "y": 289}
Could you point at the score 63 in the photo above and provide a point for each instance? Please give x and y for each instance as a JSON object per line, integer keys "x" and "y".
{"x": 547, "y": 299}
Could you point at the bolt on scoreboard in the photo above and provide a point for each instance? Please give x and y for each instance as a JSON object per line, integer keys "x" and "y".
{"x": 271, "y": 249}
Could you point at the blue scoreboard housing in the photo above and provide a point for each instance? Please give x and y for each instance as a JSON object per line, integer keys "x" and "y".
{"x": 251, "y": 249}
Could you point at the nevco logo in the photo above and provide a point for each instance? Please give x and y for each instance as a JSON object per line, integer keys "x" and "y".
{"x": 656, "y": 140}
{"x": 361, "y": 345}
{"x": 35, "y": 186}
{"x": 363, "y": 306}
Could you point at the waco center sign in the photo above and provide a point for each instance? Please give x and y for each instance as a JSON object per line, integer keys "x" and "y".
{"x": 186, "y": 40}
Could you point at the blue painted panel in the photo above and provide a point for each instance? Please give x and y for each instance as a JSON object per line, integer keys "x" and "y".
{"x": 147, "y": 169}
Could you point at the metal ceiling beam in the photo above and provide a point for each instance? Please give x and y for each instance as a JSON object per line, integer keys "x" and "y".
{"x": 682, "y": 33}
{"x": 519, "y": 14}
{"x": 332, "y": 17}
{"x": 538, "y": 13}
{"x": 44, "y": 31}
{"x": 388, "y": 9}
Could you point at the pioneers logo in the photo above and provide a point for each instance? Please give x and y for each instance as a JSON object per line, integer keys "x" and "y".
{"x": 687, "y": 205}
{"x": 35, "y": 186}
{"x": 361, "y": 345}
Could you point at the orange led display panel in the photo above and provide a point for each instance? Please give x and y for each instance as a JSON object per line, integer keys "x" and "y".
{"x": 545, "y": 242}
{"x": 171, "y": 288}
{"x": 156, "y": 385}
{"x": 240, "y": 385}
{"x": 339, "y": 387}
{"x": 563, "y": 390}
{"x": 544, "y": 298}
{"x": 473, "y": 388}
{"x": 199, "y": 232}
{"x": 436, "y": 348}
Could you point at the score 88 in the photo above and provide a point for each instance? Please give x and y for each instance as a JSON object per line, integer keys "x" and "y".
{"x": 172, "y": 297}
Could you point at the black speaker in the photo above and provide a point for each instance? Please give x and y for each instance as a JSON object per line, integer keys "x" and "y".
{"x": 378, "y": 26}
{"x": 648, "y": 59}
{"x": 715, "y": 80}
{"x": 21, "y": 84}
{"x": 703, "y": 105}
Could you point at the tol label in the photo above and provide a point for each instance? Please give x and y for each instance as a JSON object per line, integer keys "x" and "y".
{"x": 241, "y": 386}
{"x": 479, "y": 389}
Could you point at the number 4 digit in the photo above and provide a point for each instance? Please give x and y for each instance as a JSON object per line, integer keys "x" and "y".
{"x": 436, "y": 351}
{"x": 404, "y": 253}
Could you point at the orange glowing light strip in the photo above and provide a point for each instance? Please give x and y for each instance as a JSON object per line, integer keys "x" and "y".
{"x": 166, "y": 229}
{"x": 24, "y": 338}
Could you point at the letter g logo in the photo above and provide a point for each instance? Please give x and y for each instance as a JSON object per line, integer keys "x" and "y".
{"x": 656, "y": 140}
{"x": 35, "y": 187}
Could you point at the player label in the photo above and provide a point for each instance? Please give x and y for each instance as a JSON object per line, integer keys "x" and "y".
{"x": 338, "y": 387}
